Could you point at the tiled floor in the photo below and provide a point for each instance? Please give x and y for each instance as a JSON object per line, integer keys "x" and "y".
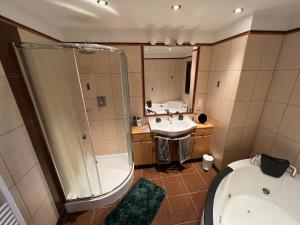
{"x": 186, "y": 192}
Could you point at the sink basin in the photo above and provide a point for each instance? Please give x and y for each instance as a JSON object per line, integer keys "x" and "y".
{"x": 172, "y": 127}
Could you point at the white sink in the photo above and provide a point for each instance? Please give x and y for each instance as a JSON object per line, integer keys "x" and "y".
{"x": 171, "y": 127}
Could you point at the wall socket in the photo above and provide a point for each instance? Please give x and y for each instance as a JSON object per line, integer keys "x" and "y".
{"x": 101, "y": 100}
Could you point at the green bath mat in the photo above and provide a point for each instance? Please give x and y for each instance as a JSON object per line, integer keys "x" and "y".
{"x": 139, "y": 206}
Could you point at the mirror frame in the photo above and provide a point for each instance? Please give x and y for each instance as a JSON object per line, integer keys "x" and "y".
{"x": 196, "y": 77}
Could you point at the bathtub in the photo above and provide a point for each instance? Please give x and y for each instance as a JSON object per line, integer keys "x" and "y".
{"x": 242, "y": 195}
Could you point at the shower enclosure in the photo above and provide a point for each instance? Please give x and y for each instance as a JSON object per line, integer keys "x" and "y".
{"x": 81, "y": 96}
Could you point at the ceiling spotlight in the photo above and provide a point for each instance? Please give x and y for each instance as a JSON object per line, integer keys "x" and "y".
{"x": 102, "y": 3}
{"x": 146, "y": 49}
{"x": 167, "y": 41}
{"x": 238, "y": 10}
{"x": 180, "y": 41}
{"x": 176, "y": 7}
{"x": 170, "y": 49}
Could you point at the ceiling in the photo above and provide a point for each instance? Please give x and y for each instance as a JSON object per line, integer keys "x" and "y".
{"x": 141, "y": 18}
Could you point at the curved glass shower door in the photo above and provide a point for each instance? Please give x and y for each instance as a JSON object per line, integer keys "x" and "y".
{"x": 81, "y": 96}
{"x": 52, "y": 78}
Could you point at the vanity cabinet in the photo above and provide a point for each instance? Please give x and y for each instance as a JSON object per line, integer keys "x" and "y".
{"x": 143, "y": 152}
{"x": 201, "y": 141}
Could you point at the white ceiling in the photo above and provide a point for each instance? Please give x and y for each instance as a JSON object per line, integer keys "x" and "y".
{"x": 79, "y": 20}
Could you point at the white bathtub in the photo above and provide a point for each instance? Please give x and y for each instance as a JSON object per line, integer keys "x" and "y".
{"x": 236, "y": 197}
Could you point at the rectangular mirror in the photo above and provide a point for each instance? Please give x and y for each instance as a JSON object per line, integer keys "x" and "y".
{"x": 169, "y": 79}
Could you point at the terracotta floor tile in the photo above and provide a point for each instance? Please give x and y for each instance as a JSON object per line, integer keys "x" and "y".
{"x": 192, "y": 223}
{"x": 80, "y": 218}
{"x": 100, "y": 215}
{"x": 137, "y": 174}
{"x": 183, "y": 209}
{"x": 150, "y": 173}
{"x": 194, "y": 182}
{"x": 207, "y": 176}
{"x": 169, "y": 173}
{"x": 199, "y": 202}
{"x": 158, "y": 181}
{"x": 164, "y": 215}
{"x": 188, "y": 169}
{"x": 174, "y": 185}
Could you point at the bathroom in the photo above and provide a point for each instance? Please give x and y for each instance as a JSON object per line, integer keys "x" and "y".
{"x": 90, "y": 91}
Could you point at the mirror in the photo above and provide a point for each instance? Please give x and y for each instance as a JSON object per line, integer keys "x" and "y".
{"x": 169, "y": 79}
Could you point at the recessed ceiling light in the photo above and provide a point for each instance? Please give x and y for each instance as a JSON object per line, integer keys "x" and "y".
{"x": 102, "y": 3}
{"x": 238, "y": 10}
{"x": 146, "y": 49}
{"x": 176, "y": 7}
{"x": 170, "y": 49}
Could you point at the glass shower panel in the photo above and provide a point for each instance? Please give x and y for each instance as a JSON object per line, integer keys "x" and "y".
{"x": 126, "y": 108}
{"x": 53, "y": 80}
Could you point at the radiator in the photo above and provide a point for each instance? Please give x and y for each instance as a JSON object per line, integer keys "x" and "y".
{"x": 9, "y": 212}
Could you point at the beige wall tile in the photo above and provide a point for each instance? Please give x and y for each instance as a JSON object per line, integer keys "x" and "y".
{"x": 237, "y": 53}
{"x": 295, "y": 97}
{"x": 33, "y": 189}
{"x": 271, "y": 52}
{"x": 254, "y": 51}
{"x": 84, "y": 63}
{"x": 5, "y": 174}
{"x": 297, "y": 162}
{"x": 290, "y": 52}
{"x": 96, "y": 130}
{"x": 248, "y": 138}
{"x": 10, "y": 117}
{"x": 17, "y": 152}
{"x": 104, "y": 85}
{"x": 282, "y": 86}
{"x": 114, "y": 62}
{"x": 234, "y": 139}
{"x": 285, "y": 148}
{"x": 116, "y": 85}
{"x": 254, "y": 113}
{"x": 204, "y": 58}
{"x": 107, "y": 112}
{"x": 135, "y": 84}
{"x": 272, "y": 115}
{"x": 232, "y": 156}
{"x": 264, "y": 140}
{"x": 223, "y": 56}
{"x": 136, "y": 106}
{"x": 20, "y": 204}
{"x": 46, "y": 214}
{"x": 246, "y": 85}
{"x": 262, "y": 85}
{"x": 134, "y": 58}
{"x": 239, "y": 114}
{"x": 88, "y": 85}
{"x": 93, "y": 112}
{"x": 290, "y": 125}
{"x": 202, "y": 80}
{"x": 100, "y": 62}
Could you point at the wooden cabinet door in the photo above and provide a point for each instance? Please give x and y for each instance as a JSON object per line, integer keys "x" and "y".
{"x": 200, "y": 146}
{"x": 143, "y": 153}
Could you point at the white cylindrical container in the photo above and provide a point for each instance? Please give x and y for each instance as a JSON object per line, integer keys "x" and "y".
{"x": 207, "y": 162}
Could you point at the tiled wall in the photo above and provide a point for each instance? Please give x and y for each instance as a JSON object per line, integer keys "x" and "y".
{"x": 258, "y": 66}
{"x": 19, "y": 166}
{"x": 164, "y": 79}
{"x": 101, "y": 72}
{"x": 225, "y": 68}
{"x": 278, "y": 132}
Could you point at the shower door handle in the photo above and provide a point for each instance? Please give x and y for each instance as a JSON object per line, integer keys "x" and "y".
{"x": 84, "y": 135}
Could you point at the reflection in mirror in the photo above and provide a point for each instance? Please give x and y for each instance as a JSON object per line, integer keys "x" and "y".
{"x": 169, "y": 79}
